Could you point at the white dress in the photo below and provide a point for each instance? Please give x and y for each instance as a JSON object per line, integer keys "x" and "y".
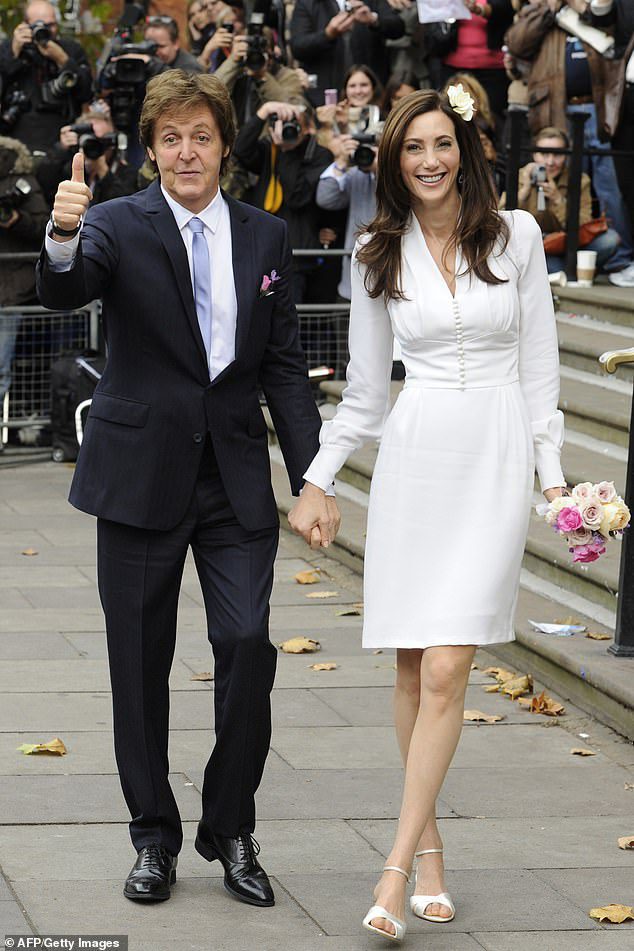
{"x": 452, "y": 486}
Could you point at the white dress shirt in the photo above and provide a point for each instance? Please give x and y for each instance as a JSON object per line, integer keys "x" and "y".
{"x": 217, "y": 231}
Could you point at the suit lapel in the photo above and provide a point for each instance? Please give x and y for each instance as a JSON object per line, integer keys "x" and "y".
{"x": 244, "y": 276}
{"x": 164, "y": 224}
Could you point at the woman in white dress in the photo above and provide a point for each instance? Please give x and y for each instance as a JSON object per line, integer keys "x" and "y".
{"x": 464, "y": 290}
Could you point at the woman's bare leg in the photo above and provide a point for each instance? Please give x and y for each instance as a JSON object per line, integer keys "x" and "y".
{"x": 443, "y": 678}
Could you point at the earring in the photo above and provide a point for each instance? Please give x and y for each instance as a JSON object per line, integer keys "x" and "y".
{"x": 461, "y": 178}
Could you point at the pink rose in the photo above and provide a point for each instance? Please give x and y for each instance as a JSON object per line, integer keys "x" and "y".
{"x": 569, "y": 520}
{"x": 580, "y": 536}
{"x": 585, "y": 554}
{"x": 605, "y": 491}
{"x": 591, "y": 511}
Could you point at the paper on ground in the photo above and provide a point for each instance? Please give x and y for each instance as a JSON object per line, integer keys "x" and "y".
{"x": 562, "y": 630}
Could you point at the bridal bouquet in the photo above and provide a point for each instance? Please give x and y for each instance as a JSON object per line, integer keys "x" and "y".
{"x": 587, "y": 518}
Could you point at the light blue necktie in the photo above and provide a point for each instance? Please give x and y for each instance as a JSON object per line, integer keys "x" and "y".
{"x": 202, "y": 282}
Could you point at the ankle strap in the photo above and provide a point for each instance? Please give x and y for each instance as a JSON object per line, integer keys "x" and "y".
{"x": 395, "y": 868}
{"x": 427, "y": 851}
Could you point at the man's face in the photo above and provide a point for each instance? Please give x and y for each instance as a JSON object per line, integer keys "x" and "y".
{"x": 42, "y": 11}
{"x": 188, "y": 151}
{"x": 552, "y": 163}
{"x": 166, "y": 47}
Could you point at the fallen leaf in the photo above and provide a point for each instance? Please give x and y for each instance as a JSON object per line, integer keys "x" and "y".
{"x": 567, "y": 620}
{"x": 323, "y": 594}
{"x": 348, "y": 612}
{"x": 300, "y": 645}
{"x": 329, "y": 665}
{"x": 582, "y": 751}
{"x": 54, "y": 746}
{"x": 205, "y": 675}
{"x": 626, "y": 842}
{"x": 358, "y": 604}
{"x": 379, "y": 650}
{"x": 614, "y": 913}
{"x": 500, "y": 674}
{"x": 595, "y": 636}
{"x": 477, "y": 715}
{"x": 312, "y": 576}
{"x": 542, "y": 704}
{"x": 628, "y": 785}
{"x": 517, "y": 686}
{"x": 385, "y": 666}
{"x": 30, "y": 551}
{"x": 474, "y": 667}
{"x": 492, "y": 688}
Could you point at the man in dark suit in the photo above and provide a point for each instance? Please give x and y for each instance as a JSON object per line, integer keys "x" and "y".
{"x": 197, "y": 316}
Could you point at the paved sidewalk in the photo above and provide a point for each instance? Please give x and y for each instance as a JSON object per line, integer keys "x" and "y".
{"x": 530, "y": 831}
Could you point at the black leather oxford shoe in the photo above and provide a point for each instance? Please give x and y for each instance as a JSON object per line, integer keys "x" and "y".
{"x": 245, "y": 878}
{"x": 151, "y": 875}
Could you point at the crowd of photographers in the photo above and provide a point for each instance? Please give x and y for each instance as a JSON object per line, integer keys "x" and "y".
{"x": 311, "y": 82}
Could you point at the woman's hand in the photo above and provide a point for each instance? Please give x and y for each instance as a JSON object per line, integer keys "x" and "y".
{"x": 555, "y": 492}
{"x": 315, "y": 517}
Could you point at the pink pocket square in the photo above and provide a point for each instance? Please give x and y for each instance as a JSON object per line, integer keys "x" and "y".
{"x": 266, "y": 288}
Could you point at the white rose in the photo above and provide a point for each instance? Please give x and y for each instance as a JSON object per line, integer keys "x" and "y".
{"x": 582, "y": 491}
{"x": 605, "y": 491}
{"x": 461, "y": 102}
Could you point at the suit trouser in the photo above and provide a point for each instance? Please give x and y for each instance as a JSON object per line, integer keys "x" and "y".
{"x": 139, "y": 574}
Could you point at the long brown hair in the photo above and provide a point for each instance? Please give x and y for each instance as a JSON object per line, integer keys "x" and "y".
{"x": 479, "y": 224}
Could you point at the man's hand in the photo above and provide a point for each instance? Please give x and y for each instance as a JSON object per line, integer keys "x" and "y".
{"x": 283, "y": 111}
{"x": 341, "y": 23}
{"x": 72, "y": 199}
{"x": 54, "y": 52}
{"x": 21, "y": 36}
{"x": 343, "y": 148}
{"x": 315, "y": 517}
{"x": 67, "y": 138}
{"x": 363, "y": 14}
{"x": 239, "y": 50}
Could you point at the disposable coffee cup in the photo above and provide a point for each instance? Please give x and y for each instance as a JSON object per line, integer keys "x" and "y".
{"x": 586, "y": 266}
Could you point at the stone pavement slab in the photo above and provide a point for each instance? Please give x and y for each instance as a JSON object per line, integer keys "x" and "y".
{"x": 603, "y": 940}
{"x": 39, "y": 646}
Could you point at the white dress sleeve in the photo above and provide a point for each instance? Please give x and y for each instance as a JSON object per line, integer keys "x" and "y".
{"x": 365, "y": 401}
{"x": 539, "y": 351}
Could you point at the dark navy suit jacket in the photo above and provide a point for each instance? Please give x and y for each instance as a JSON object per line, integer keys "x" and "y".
{"x": 155, "y": 404}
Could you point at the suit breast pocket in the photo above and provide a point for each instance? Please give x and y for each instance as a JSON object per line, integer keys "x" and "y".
{"x": 119, "y": 409}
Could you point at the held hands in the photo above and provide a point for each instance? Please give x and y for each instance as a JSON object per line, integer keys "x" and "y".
{"x": 72, "y": 199}
{"x": 315, "y": 517}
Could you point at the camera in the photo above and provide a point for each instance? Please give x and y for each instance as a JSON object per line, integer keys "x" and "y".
{"x": 54, "y": 91}
{"x": 13, "y": 198}
{"x": 124, "y": 81}
{"x": 538, "y": 177}
{"x": 91, "y": 145}
{"x": 348, "y": 7}
{"x": 41, "y": 32}
{"x": 17, "y": 103}
{"x": 291, "y": 128}
{"x": 364, "y": 155}
{"x": 257, "y": 45}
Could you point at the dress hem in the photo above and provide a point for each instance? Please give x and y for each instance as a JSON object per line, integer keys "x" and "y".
{"x": 458, "y": 640}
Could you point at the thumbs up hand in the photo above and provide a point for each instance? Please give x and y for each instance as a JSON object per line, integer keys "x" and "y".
{"x": 72, "y": 199}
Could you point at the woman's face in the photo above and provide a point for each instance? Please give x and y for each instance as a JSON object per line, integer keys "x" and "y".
{"x": 197, "y": 16}
{"x": 554, "y": 163}
{"x": 359, "y": 90}
{"x": 430, "y": 159}
{"x": 402, "y": 91}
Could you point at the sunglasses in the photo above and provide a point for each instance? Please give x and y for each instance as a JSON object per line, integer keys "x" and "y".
{"x": 160, "y": 20}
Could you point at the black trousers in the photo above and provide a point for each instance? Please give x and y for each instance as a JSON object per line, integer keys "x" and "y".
{"x": 624, "y": 139}
{"x": 139, "y": 574}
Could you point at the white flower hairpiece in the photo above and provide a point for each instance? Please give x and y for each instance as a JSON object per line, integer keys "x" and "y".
{"x": 461, "y": 102}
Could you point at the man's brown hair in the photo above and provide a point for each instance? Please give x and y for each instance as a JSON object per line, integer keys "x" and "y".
{"x": 177, "y": 92}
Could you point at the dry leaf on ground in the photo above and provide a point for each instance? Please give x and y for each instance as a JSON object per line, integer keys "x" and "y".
{"x": 30, "y": 551}
{"x": 205, "y": 675}
{"x": 628, "y": 785}
{"x": 582, "y": 751}
{"x": 323, "y": 594}
{"x": 379, "y": 650}
{"x": 500, "y": 674}
{"x": 478, "y": 716}
{"x": 626, "y": 842}
{"x": 474, "y": 667}
{"x": 595, "y": 636}
{"x": 542, "y": 704}
{"x": 329, "y": 665}
{"x": 492, "y": 688}
{"x": 348, "y": 612}
{"x": 300, "y": 645}
{"x": 311, "y": 576}
{"x": 517, "y": 686}
{"x": 54, "y": 746}
{"x": 614, "y": 913}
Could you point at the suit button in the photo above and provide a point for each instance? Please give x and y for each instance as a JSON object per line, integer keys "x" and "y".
{"x": 198, "y": 438}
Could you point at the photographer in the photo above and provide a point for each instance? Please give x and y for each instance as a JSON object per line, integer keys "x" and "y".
{"x": 254, "y": 73}
{"x": 44, "y": 79}
{"x": 287, "y": 163}
{"x": 229, "y": 23}
{"x": 543, "y": 191}
{"x": 162, "y": 30}
{"x": 328, "y": 44}
{"x": 23, "y": 217}
{"x": 107, "y": 175}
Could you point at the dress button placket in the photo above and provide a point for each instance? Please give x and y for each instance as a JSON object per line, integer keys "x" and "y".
{"x": 460, "y": 344}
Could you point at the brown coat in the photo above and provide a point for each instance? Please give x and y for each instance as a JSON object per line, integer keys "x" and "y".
{"x": 554, "y": 217}
{"x": 535, "y": 37}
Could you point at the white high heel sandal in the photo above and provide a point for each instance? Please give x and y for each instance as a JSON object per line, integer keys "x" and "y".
{"x": 418, "y": 903}
{"x": 377, "y": 911}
